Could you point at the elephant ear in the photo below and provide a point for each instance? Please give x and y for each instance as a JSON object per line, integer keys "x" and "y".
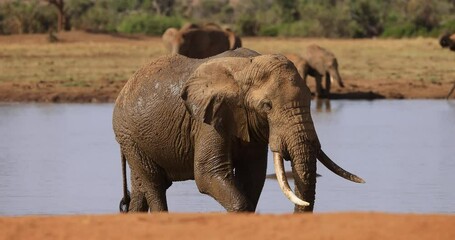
{"x": 213, "y": 95}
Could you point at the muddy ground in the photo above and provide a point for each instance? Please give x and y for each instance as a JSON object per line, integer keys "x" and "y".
{"x": 350, "y": 226}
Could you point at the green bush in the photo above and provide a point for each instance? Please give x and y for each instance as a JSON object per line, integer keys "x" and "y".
{"x": 408, "y": 29}
{"x": 148, "y": 24}
{"x": 247, "y": 26}
{"x": 99, "y": 19}
{"x": 299, "y": 29}
{"x": 448, "y": 26}
{"x": 270, "y": 31}
{"x": 25, "y": 17}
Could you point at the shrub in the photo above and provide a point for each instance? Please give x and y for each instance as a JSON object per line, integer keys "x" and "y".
{"x": 270, "y": 31}
{"x": 148, "y": 24}
{"x": 247, "y": 26}
{"x": 99, "y": 19}
{"x": 25, "y": 17}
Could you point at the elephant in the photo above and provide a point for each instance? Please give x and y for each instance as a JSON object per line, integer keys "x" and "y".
{"x": 212, "y": 120}
{"x": 451, "y": 91}
{"x": 448, "y": 41}
{"x": 200, "y": 42}
{"x": 319, "y": 62}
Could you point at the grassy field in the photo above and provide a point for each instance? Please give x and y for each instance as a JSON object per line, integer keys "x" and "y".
{"x": 95, "y": 61}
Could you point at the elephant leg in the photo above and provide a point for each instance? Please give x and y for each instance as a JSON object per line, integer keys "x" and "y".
{"x": 250, "y": 170}
{"x": 328, "y": 84}
{"x": 451, "y": 91}
{"x": 213, "y": 171}
{"x": 138, "y": 201}
{"x": 319, "y": 89}
{"x": 149, "y": 183}
{"x": 304, "y": 79}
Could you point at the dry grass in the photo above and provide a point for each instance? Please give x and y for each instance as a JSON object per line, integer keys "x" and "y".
{"x": 376, "y": 59}
{"x": 75, "y": 63}
{"x": 91, "y": 60}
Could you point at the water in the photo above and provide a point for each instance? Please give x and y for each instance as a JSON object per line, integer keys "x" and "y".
{"x": 63, "y": 159}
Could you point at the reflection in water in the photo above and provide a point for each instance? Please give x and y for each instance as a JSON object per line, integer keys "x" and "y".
{"x": 323, "y": 105}
{"x": 63, "y": 158}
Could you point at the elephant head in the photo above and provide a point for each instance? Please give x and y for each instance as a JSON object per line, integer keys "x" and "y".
{"x": 263, "y": 99}
{"x": 323, "y": 62}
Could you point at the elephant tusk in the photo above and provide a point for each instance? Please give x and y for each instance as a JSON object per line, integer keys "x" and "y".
{"x": 283, "y": 181}
{"x": 328, "y": 163}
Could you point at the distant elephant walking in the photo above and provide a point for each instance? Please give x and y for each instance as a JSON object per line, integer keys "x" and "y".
{"x": 318, "y": 63}
{"x": 213, "y": 120}
{"x": 200, "y": 42}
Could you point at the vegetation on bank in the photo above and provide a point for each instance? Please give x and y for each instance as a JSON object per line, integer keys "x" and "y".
{"x": 296, "y": 18}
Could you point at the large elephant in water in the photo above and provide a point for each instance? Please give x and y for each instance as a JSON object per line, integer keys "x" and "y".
{"x": 212, "y": 120}
{"x": 200, "y": 42}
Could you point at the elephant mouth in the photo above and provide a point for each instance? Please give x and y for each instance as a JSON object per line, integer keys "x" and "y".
{"x": 324, "y": 159}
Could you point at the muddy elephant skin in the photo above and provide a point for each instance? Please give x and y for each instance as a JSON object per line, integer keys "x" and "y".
{"x": 212, "y": 120}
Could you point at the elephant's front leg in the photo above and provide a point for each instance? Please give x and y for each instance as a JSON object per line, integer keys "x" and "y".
{"x": 250, "y": 169}
{"x": 213, "y": 170}
{"x": 319, "y": 90}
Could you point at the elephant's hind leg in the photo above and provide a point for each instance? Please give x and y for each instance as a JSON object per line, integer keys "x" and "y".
{"x": 149, "y": 184}
{"x": 138, "y": 201}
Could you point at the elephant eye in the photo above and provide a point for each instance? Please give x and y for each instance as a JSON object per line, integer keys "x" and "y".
{"x": 266, "y": 105}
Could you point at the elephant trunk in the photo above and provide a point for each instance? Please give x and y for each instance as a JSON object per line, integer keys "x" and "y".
{"x": 303, "y": 162}
{"x": 301, "y": 145}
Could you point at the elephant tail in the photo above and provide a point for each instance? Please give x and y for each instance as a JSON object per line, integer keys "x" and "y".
{"x": 125, "y": 202}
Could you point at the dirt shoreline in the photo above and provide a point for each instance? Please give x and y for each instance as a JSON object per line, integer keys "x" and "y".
{"x": 49, "y": 92}
{"x": 86, "y": 67}
{"x": 231, "y": 226}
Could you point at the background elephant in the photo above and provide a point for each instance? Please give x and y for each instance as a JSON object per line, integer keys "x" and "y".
{"x": 318, "y": 63}
{"x": 200, "y": 42}
{"x": 448, "y": 41}
{"x": 211, "y": 120}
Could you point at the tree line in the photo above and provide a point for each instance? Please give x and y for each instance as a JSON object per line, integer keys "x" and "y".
{"x": 287, "y": 18}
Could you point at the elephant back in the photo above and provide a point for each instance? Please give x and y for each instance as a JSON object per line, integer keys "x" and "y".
{"x": 203, "y": 43}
